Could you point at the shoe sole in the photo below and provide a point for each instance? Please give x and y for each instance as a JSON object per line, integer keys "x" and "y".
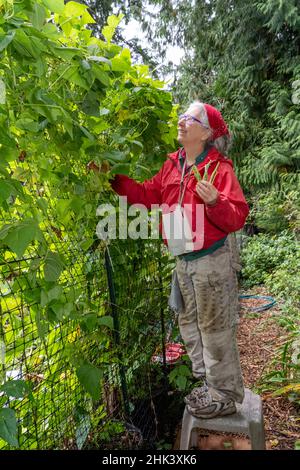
{"x": 213, "y": 414}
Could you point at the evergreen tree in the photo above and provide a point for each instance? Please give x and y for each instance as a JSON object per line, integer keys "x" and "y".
{"x": 245, "y": 59}
{"x": 101, "y": 9}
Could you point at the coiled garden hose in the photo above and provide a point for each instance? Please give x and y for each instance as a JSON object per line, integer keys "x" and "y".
{"x": 270, "y": 302}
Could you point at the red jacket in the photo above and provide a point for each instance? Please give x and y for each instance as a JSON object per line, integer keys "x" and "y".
{"x": 227, "y": 215}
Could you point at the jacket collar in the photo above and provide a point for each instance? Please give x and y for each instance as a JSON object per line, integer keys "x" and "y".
{"x": 201, "y": 157}
{"x": 212, "y": 155}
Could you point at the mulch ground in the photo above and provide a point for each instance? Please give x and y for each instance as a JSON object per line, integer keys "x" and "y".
{"x": 259, "y": 337}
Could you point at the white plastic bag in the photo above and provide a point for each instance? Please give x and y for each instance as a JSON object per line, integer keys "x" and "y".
{"x": 177, "y": 231}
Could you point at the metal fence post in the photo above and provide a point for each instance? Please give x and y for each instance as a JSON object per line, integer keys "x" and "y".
{"x": 116, "y": 331}
{"x": 162, "y": 319}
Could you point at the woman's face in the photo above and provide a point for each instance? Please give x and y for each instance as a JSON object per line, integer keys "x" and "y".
{"x": 191, "y": 131}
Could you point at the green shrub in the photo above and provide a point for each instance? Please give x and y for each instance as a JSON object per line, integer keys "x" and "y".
{"x": 285, "y": 281}
{"x": 277, "y": 209}
{"x": 265, "y": 255}
{"x": 268, "y": 212}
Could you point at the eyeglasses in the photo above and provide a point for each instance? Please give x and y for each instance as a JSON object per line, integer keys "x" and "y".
{"x": 189, "y": 119}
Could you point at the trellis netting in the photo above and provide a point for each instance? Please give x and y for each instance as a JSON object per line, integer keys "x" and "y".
{"x": 76, "y": 356}
{"x": 78, "y": 321}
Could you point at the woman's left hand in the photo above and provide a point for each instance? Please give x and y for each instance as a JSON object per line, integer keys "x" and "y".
{"x": 208, "y": 193}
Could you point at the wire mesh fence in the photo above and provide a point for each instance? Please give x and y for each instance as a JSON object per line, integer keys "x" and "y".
{"x": 79, "y": 325}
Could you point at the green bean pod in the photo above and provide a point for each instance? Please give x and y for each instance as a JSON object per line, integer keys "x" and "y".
{"x": 196, "y": 173}
{"x": 214, "y": 173}
{"x": 205, "y": 176}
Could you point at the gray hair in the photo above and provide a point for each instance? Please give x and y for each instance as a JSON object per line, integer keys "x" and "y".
{"x": 223, "y": 143}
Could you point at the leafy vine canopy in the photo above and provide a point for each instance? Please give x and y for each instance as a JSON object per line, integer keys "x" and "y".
{"x": 66, "y": 98}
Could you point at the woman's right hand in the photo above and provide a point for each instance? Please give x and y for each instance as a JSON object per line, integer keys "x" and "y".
{"x": 103, "y": 168}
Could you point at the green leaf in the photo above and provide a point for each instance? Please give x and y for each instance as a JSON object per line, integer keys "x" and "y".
{"x": 53, "y": 266}
{"x": 87, "y": 133}
{"x": 296, "y": 92}
{"x": 5, "y": 39}
{"x": 102, "y": 76}
{"x": 87, "y": 18}
{"x": 106, "y": 320}
{"x": 97, "y": 58}
{"x": 181, "y": 382}
{"x": 27, "y": 124}
{"x": 7, "y": 141}
{"x": 8, "y": 426}
{"x": 62, "y": 208}
{"x": 114, "y": 155}
{"x": 55, "y": 6}
{"x": 66, "y": 53}
{"x": 89, "y": 322}
{"x": 25, "y": 46}
{"x": 89, "y": 376}
{"x": 121, "y": 62}
{"x": 42, "y": 204}
{"x": 21, "y": 234}
{"x": 6, "y": 190}
{"x": 121, "y": 169}
{"x": 109, "y": 30}
{"x": 120, "y": 65}
{"x": 51, "y": 31}
{"x": 77, "y": 205}
{"x": 72, "y": 74}
{"x": 137, "y": 143}
{"x": 41, "y": 323}
{"x": 74, "y": 9}
{"x": 38, "y": 16}
{"x": 68, "y": 123}
{"x": 2, "y": 92}
{"x": 85, "y": 65}
{"x": 82, "y": 430}
{"x": 184, "y": 370}
{"x": 48, "y": 296}
{"x": 62, "y": 310}
{"x": 86, "y": 244}
{"x": 15, "y": 388}
{"x": 4, "y": 231}
{"x": 90, "y": 104}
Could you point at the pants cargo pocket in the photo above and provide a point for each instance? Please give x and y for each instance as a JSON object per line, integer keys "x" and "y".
{"x": 217, "y": 303}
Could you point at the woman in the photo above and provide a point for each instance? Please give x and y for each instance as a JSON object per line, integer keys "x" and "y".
{"x": 210, "y": 209}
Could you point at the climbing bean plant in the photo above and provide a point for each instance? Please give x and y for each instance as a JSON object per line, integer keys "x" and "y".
{"x": 66, "y": 98}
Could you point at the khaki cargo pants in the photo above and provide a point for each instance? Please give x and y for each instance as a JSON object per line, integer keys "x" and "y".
{"x": 209, "y": 321}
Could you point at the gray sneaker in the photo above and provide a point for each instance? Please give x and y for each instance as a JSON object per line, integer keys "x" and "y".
{"x": 195, "y": 395}
{"x": 208, "y": 407}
